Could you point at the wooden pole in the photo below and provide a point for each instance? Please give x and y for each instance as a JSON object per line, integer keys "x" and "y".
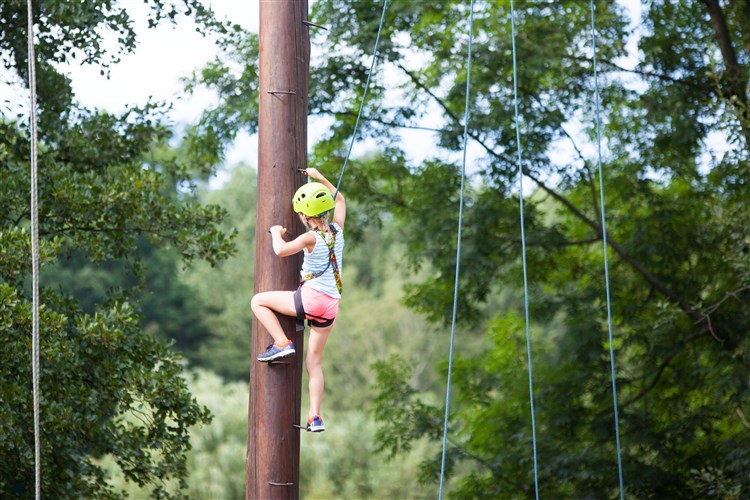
{"x": 274, "y": 406}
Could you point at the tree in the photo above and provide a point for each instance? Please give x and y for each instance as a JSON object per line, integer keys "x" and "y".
{"x": 676, "y": 219}
{"x": 107, "y": 388}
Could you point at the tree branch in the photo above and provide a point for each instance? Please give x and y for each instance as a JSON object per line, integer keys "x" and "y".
{"x": 25, "y": 214}
{"x": 741, "y": 416}
{"x": 490, "y": 466}
{"x": 663, "y": 366}
{"x": 645, "y": 73}
{"x": 324, "y": 111}
{"x": 706, "y": 320}
{"x": 733, "y": 294}
{"x": 735, "y": 74}
{"x": 589, "y": 175}
{"x": 706, "y": 314}
{"x": 742, "y": 10}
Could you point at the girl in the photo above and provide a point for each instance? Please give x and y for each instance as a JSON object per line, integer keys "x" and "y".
{"x": 317, "y": 298}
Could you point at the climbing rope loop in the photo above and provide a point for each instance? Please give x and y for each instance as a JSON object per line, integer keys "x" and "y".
{"x": 523, "y": 249}
{"x": 364, "y": 97}
{"x": 604, "y": 244}
{"x": 34, "y": 252}
{"x": 458, "y": 252}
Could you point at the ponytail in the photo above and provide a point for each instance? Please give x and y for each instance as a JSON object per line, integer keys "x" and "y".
{"x": 323, "y": 224}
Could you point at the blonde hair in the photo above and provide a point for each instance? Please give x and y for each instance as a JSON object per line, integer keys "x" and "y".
{"x": 322, "y": 223}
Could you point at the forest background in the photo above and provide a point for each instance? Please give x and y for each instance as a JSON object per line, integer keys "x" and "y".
{"x": 147, "y": 272}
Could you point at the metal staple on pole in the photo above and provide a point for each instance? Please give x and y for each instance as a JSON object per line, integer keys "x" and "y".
{"x": 34, "y": 253}
{"x": 309, "y": 24}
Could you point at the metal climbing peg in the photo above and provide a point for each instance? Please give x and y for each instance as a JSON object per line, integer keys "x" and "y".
{"x": 308, "y": 24}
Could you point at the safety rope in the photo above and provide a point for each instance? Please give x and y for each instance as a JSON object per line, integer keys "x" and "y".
{"x": 523, "y": 249}
{"x": 458, "y": 252}
{"x": 34, "y": 253}
{"x": 604, "y": 243}
{"x": 364, "y": 96}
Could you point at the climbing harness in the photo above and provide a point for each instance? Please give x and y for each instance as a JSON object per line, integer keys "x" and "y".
{"x": 319, "y": 321}
{"x": 332, "y": 262}
{"x": 458, "y": 252}
{"x": 302, "y": 315}
{"x": 606, "y": 260}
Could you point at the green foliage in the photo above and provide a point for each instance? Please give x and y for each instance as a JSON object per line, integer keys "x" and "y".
{"x": 224, "y": 292}
{"x": 214, "y": 460}
{"x": 169, "y": 308}
{"x": 488, "y": 414}
{"x": 344, "y": 463}
{"x": 407, "y": 412}
{"x": 106, "y": 390}
{"x": 216, "y": 467}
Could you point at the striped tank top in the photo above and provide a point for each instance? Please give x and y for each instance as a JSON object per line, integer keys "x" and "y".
{"x": 317, "y": 260}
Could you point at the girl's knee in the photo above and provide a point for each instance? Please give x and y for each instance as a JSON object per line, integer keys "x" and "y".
{"x": 313, "y": 360}
{"x": 257, "y": 301}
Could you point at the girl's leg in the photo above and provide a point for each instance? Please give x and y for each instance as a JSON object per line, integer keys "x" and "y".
{"x": 264, "y": 304}
{"x": 315, "y": 346}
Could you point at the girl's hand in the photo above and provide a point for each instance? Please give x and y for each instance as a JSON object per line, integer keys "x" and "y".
{"x": 313, "y": 173}
{"x": 278, "y": 229}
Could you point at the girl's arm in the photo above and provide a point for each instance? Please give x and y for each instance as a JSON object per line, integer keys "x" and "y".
{"x": 284, "y": 248}
{"x": 339, "y": 210}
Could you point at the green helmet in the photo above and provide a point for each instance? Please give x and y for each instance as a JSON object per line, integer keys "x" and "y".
{"x": 313, "y": 199}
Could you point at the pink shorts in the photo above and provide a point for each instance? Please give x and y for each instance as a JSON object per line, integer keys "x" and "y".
{"x": 317, "y": 305}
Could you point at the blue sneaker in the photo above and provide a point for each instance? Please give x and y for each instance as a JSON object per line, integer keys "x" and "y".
{"x": 315, "y": 424}
{"x": 275, "y": 352}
